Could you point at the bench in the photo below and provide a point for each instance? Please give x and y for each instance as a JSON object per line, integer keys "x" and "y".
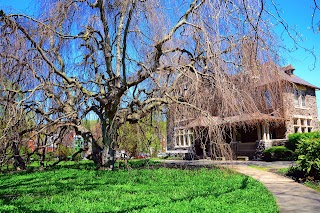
{"x": 221, "y": 158}
{"x": 243, "y": 158}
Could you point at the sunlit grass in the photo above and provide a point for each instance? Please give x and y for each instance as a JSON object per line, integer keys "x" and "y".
{"x": 282, "y": 171}
{"x": 313, "y": 185}
{"x": 80, "y": 188}
{"x": 263, "y": 168}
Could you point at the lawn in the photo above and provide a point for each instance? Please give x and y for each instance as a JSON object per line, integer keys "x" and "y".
{"x": 73, "y": 188}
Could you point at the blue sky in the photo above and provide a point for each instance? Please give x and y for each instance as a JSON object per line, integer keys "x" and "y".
{"x": 297, "y": 14}
{"x": 18, "y": 5}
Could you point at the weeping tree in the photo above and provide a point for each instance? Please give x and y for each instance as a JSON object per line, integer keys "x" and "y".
{"x": 121, "y": 60}
{"x": 12, "y": 117}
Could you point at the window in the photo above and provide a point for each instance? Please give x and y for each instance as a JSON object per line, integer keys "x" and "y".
{"x": 183, "y": 137}
{"x": 303, "y": 98}
{"x": 308, "y": 122}
{"x": 300, "y": 98}
{"x": 296, "y": 98}
{"x": 268, "y": 99}
{"x": 302, "y": 124}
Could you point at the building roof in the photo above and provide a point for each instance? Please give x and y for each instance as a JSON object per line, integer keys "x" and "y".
{"x": 257, "y": 116}
{"x": 206, "y": 121}
{"x": 271, "y": 73}
{"x": 287, "y": 74}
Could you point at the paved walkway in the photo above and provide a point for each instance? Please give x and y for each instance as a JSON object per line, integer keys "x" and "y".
{"x": 290, "y": 196}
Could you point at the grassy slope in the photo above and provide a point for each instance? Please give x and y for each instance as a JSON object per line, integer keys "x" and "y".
{"x": 161, "y": 190}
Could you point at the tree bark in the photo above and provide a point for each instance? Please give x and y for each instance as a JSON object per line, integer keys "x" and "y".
{"x": 19, "y": 163}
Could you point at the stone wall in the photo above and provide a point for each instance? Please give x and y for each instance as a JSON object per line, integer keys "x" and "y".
{"x": 170, "y": 131}
{"x": 291, "y": 111}
{"x": 174, "y": 121}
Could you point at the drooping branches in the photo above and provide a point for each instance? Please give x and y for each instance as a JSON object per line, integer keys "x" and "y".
{"x": 121, "y": 60}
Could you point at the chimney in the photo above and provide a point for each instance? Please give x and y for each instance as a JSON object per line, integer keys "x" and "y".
{"x": 288, "y": 69}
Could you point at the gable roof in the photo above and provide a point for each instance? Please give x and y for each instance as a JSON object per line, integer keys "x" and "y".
{"x": 257, "y": 116}
{"x": 293, "y": 78}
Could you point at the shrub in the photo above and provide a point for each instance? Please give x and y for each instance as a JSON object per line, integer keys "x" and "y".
{"x": 296, "y": 173}
{"x": 293, "y": 139}
{"x": 64, "y": 152}
{"x": 35, "y": 157}
{"x": 24, "y": 150}
{"x": 308, "y": 150}
{"x": 136, "y": 163}
{"x": 278, "y": 153}
{"x": 49, "y": 156}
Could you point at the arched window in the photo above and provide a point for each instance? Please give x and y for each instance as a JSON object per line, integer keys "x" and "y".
{"x": 267, "y": 96}
{"x": 299, "y": 98}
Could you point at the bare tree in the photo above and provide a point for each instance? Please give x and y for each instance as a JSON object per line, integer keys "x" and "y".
{"x": 314, "y": 22}
{"x": 120, "y": 60}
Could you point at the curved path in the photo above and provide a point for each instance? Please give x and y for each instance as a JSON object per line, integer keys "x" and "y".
{"x": 290, "y": 196}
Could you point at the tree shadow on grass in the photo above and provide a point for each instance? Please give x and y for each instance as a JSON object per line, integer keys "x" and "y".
{"x": 10, "y": 199}
{"x": 244, "y": 183}
{"x": 39, "y": 188}
{"x": 189, "y": 198}
{"x": 21, "y": 207}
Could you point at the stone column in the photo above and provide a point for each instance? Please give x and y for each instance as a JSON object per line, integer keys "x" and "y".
{"x": 268, "y": 132}
{"x": 299, "y": 124}
{"x": 264, "y": 134}
{"x": 259, "y": 132}
{"x": 234, "y": 136}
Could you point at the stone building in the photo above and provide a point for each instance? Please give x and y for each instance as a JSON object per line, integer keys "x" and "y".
{"x": 296, "y": 111}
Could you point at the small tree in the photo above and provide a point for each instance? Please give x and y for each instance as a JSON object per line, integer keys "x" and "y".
{"x": 142, "y": 137}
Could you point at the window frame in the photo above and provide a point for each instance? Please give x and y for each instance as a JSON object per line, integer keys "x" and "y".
{"x": 267, "y": 96}
{"x": 302, "y": 125}
{"x": 183, "y": 138}
{"x": 299, "y": 99}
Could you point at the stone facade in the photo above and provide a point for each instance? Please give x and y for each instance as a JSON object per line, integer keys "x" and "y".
{"x": 261, "y": 146}
{"x": 297, "y": 112}
{"x": 301, "y": 118}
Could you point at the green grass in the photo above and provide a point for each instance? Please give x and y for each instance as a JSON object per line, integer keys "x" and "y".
{"x": 79, "y": 188}
{"x": 313, "y": 185}
{"x": 263, "y": 168}
{"x": 283, "y": 171}
{"x": 279, "y": 171}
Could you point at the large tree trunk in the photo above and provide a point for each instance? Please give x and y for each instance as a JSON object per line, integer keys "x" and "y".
{"x": 42, "y": 157}
{"x": 42, "y": 151}
{"x": 96, "y": 154}
{"x": 19, "y": 163}
{"x": 104, "y": 158}
{"x": 108, "y": 157}
{"x": 107, "y": 153}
